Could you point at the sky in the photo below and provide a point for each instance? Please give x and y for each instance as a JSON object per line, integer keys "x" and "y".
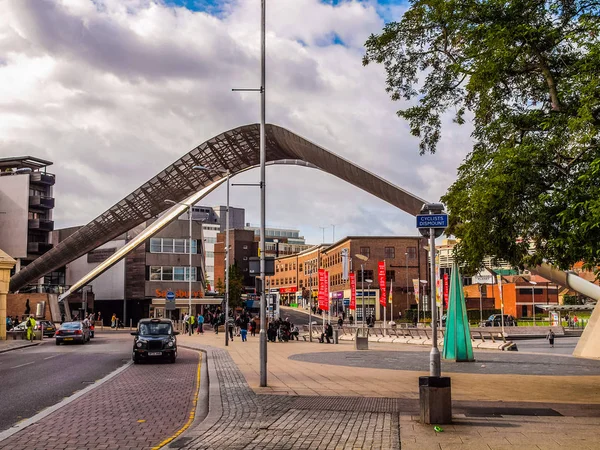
{"x": 114, "y": 91}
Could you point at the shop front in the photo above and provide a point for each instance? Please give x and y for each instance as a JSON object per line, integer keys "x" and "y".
{"x": 199, "y": 305}
{"x": 371, "y": 301}
{"x": 288, "y": 296}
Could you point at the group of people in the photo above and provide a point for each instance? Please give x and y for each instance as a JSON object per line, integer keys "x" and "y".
{"x": 12, "y": 322}
{"x": 282, "y": 330}
{"x": 30, "y": 323}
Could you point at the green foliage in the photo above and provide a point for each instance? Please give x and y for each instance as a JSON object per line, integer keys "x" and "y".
{"x": 236, "y": 286}
{"x": 219, "y": 286}
{"x": 526, "y": 74}
{"x": 571, "y": 300}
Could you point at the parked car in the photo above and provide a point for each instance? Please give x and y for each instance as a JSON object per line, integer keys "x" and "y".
{"x": 47, "y": 327}
{"x": 495, "y": 320}
{"x": 154, "y": 338}
{"x": 73, "y": 332}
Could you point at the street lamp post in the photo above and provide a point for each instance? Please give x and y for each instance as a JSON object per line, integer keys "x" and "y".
{"x": 423, "y": 282}
{"x": 407, "y": 287}
{"x": 189, "y": 206}
{"x": 363, "y": 259}
{"x": 227, "y": 173}
{"x": 532, "y": 300}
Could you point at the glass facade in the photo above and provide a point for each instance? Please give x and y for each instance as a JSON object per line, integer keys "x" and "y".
{"x": 170, "y": 245}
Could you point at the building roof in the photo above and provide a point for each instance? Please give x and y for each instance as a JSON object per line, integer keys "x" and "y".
{"x": 22, "y": 162}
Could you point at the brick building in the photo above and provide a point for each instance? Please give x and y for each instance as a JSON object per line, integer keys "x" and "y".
{"x": 405, "y": 258}
{"x": 242, "y": 247}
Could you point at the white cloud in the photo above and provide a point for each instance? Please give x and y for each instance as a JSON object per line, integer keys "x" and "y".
{"x": 113, "y": 91}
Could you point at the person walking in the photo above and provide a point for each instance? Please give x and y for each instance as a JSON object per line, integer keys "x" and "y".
{"x": 230, "y": 325}
{"x": 340, "y": 322}
{"x": 30, "y": 327}
{"x": 550, "y": 337}
{"x": 252, "y": 327}
{"x": 190, "y": 323}
{"x": 113, "y": 321}
{"x": 244, "y": 328}
{"x": 200, "y": 324}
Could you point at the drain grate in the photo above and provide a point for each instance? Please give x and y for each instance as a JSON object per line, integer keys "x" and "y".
{"x": 499, "y": 412}
{"x": 369, "y": 404}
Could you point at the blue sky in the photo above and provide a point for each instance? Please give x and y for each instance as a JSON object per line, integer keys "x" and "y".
{"x": 216, "y": 7}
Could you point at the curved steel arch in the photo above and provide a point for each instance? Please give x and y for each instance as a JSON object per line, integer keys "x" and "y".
{"x": 236, "y": 150}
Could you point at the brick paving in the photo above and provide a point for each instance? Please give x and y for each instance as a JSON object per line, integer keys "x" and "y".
{"x": 137, "y": 409}
{"x": 245, "y": 420}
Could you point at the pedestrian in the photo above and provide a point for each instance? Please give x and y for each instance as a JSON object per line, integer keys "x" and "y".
{"x": 186, "y": 322}
{"x": 252, "y": 327}
{"x": 550, "y": 337}
{"x": 351, "y": 319}
{"x": 113, "y": 321}
{"x": 200, "y": 324}
{"x": 340, "y": 322}
{"x": 30, "y": 327}
{"x": 328, "y": 334}
{"x": 230, "y": 326}
{"x": 99, "y": 319}
{"x": 244, "y": 328}
{"x": 9, "y": 323}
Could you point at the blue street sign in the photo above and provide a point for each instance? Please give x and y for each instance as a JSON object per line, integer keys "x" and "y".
{"x": 171, "y": 295}
{"x": 346, "y": 302}
{"x": 432, "y": 221}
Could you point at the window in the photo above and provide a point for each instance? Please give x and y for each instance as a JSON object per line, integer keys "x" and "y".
{"x": 412, "y": 252}
{"x": 390, "y": 253}
{"x": 210, "y": 240}
{"x": 368, "y": 275}
{"x": 155, "y": 245}
{"x": 167, "y": 273}
{"x": 390, "y": 275}
{"x": 300, "y": 267}
{"x": 179, "y": 246}
{"x": 210, "y": 254}
{"x": 210, "y": 268}
{"x": 366, "y": 251}
{"x": 167, "y": 245}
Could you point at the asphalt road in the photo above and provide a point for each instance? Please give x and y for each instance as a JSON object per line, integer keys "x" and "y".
{"x": 299, "y": 318}
{"x": 562, "y": 345}
{"x": 34, "y": 378}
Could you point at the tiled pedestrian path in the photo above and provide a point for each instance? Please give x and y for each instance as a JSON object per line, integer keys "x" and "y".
{"x": 137, "y": 409}
{"x": 245, "y": 420}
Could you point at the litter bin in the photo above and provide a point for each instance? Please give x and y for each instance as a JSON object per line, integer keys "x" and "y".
{"x": 336, "y": 333}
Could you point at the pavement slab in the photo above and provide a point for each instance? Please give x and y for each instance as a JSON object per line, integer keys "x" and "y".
{"x": 137, "y": 409}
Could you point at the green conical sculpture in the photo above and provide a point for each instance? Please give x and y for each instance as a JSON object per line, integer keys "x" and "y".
{"x": 457, "y": 340}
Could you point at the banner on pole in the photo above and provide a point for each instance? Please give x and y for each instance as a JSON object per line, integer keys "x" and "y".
{"x": 381, "y": 273}
{"x": 352, "y": 290}
{"x": 323, "y": 290}
{"x": 438, "y": 282}
{"x": 446, "y": 290}
{"x": 416, "y": 289}
{"x": 390, "y": 294}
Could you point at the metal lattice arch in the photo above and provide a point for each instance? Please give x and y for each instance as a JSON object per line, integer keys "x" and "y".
{"x": 236, "y": 150}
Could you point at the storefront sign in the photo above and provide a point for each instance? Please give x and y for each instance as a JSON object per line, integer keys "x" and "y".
{"x": 179, "y": 294}
{"x": 337, "y": 295}
{"x": 381, "y": 273}
{"x": 352, "y": 290}
{"x": 288, "y": 290}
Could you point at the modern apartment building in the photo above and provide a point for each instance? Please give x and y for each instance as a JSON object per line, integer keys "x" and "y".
{"x": 26, "y": 204}
{"x": 280, "y": 241}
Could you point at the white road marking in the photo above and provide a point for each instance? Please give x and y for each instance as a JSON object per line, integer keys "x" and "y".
{"x": 21, "y": 365}
{"x": 53, "y": 356}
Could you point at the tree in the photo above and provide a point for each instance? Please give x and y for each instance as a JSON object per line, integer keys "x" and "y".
{"x": 236, "y": 286}
{"x": 219, "y": 286}
{"x": 526, "y": 73}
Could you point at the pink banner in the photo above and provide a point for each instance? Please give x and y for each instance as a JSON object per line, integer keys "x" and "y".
{"x": 446, "y": 290}
{"x": 352, "y": 290}
{"x": 323, "y": 290}
{"x": 381, "y": 274}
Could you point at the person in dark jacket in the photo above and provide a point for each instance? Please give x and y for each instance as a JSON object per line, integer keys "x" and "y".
{"x": 327, "y": 335}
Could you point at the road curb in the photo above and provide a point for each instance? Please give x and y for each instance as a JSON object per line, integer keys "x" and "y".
{"x": 46, "y": 412}
{"x": 19, "y": 348}
{"x": 209, "y": 409}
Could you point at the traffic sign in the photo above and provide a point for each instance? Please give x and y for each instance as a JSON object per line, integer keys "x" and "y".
{"x": 432, "y": 221}
{"x": 170, "y": 301}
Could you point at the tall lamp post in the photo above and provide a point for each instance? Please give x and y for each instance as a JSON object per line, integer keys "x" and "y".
{"x": 189, "y": 207}
{"x": 532, "y": 301}
{"x": 362, "y": 259}
{"x": 407, "y": 286}
{"x": 227, "y": 173}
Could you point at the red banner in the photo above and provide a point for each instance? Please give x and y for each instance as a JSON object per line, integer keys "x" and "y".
{"x": 446, "y": 290}
{"x": 381, "y": 273}
{"x": 352, "y": 290}
{"x": 323, "y": 290}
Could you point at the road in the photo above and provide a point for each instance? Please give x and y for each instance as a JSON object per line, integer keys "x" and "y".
{"x": 299, "y": 318}
{"x": 34, "y": 378}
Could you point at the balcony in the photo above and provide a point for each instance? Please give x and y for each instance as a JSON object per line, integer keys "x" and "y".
{"x": 40, "y": 224}
{"x": 38, "y": 248}
{"x": 47, "y": 179}
{"x": 36, "y": 201}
